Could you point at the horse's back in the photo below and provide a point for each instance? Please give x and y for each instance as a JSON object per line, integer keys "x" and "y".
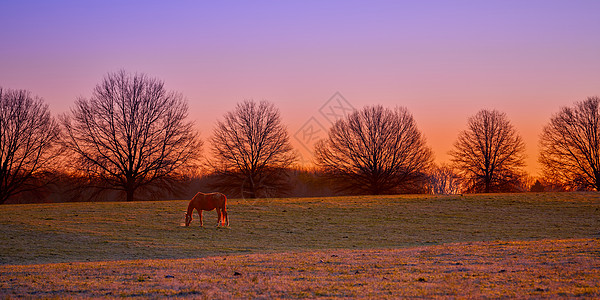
{"x": 213, "y": 194}
{"x": 209, "y": 201}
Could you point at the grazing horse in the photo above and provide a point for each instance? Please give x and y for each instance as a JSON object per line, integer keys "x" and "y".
{"x": 208, "y": 202}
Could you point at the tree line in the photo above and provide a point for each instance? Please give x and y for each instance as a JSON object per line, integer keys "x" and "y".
{"x": 134, "y": 137}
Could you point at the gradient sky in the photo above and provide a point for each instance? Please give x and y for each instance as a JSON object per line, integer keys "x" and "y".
{"x": 443, "y": 60}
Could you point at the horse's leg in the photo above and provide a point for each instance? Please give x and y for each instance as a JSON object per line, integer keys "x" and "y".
{"x": 219, "y": 217}
{"x": 225, "y": 217}
{"x": 200, "y": 214}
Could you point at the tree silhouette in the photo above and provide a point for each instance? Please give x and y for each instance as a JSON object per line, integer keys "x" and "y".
{"x": 537, "y": 187}
{"x": 570, "y": 146}
{"x": 444, "y": 180}
{"x": 489, "y": 154}
{"x": 374, "y": 151}
{"x": 130, "y": 134}
{"x": 27, "y": 136}
{"x": 251, "y": 151}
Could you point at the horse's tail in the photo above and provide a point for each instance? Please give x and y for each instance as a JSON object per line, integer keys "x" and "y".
{"x": 224, "y": 210}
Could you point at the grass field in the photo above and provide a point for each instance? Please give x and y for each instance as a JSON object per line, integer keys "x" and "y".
{"x": 532, "y": 269}
{"x": 143, "y": 248}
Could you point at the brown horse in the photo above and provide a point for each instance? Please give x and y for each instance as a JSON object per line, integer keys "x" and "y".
{"x": 208, "y": 202}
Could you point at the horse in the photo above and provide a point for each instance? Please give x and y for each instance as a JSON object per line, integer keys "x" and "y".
{"x": 208, "y": 202}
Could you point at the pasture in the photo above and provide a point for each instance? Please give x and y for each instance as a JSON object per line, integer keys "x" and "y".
{"x": 307, "y": 247}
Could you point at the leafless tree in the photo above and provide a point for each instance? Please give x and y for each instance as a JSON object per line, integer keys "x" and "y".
{"x": 489, "y": 154}
{"x": 251, "y": 151}
{"x": 444, "y": 180}
{"x": 374, "y": 151}
{"x": 131, "y": 134}
{"x": 27, "y": 142}
{"x": 570, "y": 146}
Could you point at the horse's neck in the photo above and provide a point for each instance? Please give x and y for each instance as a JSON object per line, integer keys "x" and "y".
{"x": 190, "y": 209}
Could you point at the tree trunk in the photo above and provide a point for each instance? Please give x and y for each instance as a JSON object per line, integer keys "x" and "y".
{"x": 487, "y": 184}
{"x": 129, "y": 194}
{"x": 130, "y": 189}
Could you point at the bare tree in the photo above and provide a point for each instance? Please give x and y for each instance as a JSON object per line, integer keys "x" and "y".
{"x": 374, "y": 151}
{"x": 489, "y": 154}
{"x": 570, "y": 146}
{"x": 444, "y": 180}
{"x": 131, "y": 133}
{"x": 251, "y": 151}
{"x": 27, "y": 136}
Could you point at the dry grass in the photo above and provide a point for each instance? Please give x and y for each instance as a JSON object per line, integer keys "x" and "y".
{"x": 547, "y": 268}
{"x": 363, "y": 246}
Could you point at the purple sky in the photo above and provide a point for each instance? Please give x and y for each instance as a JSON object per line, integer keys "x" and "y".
{"x": 443, "y": 60}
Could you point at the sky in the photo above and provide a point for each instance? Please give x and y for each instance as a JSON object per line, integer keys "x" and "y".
{"x": 317, "y": 60}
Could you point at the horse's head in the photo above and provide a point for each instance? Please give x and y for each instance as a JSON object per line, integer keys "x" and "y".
{"x": 188, "y": 219}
